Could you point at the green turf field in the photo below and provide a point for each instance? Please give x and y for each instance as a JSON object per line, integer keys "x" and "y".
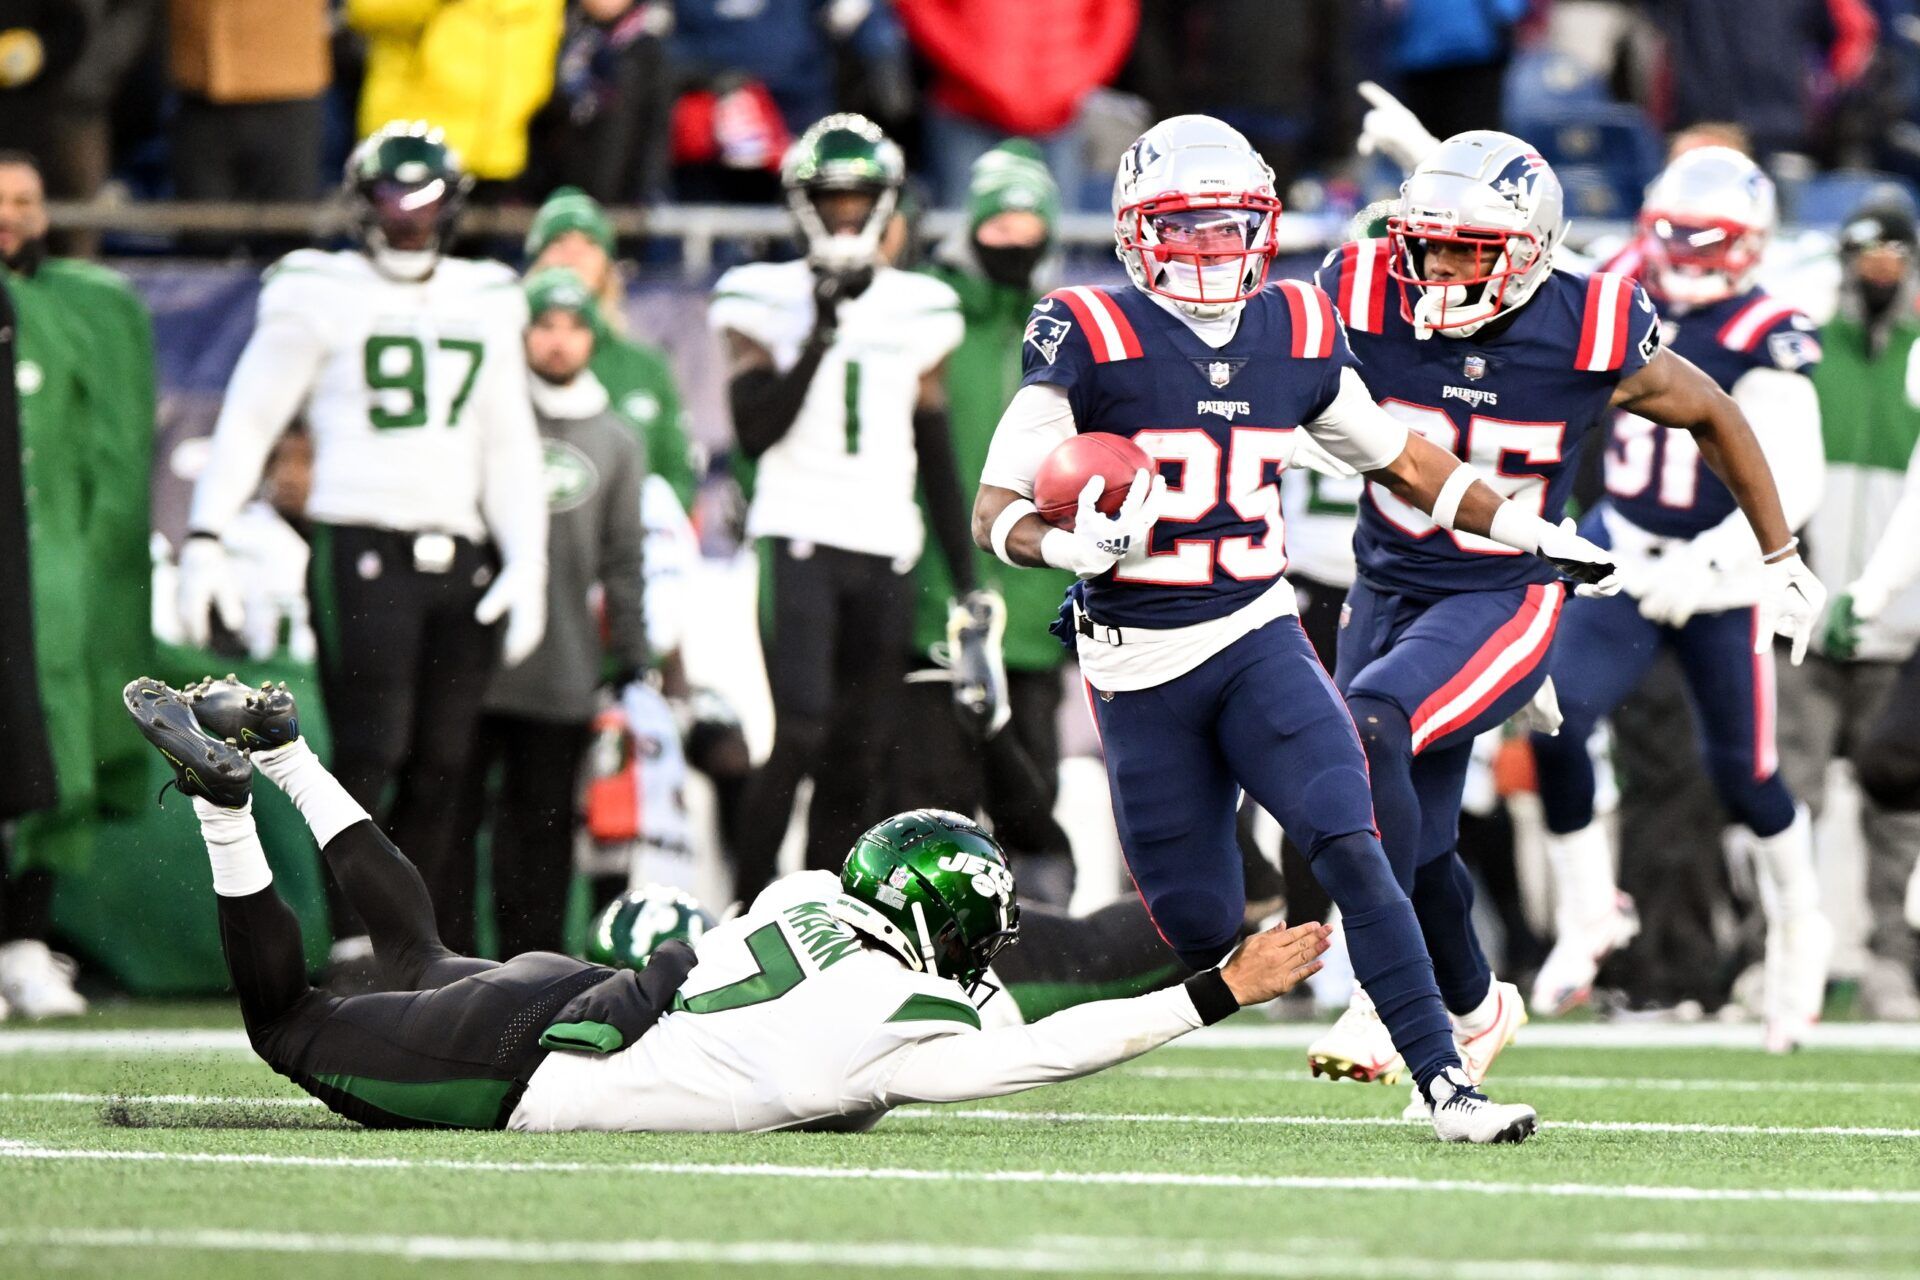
{"x": 180, "y": 1156}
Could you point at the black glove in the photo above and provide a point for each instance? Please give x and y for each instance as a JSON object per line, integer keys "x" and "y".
{"x": 833, "y": 286}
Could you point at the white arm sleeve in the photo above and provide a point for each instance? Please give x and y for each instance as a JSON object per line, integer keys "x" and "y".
{"x": 1784, "y": 411}
{"x": 1896, "y": 559}
{"x": 1037, "y": 420}
{"x": 269, "y": 384}
{"x": 1356, "y": 430}
{"x": 513, "y": 489}
{"x": 1069, "y": 1044}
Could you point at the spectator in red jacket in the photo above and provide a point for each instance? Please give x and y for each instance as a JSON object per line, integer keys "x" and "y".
{"x": 1001, "y": 71}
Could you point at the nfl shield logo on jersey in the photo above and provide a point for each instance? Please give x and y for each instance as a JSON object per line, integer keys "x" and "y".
{"x": 1475, "y": 368}
{"x": 1219, "y": 373}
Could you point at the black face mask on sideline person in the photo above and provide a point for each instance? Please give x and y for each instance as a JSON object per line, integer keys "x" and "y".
{"x": 1010, "y": 265}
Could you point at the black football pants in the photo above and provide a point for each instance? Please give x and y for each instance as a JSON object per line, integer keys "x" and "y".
{"x": 453, "y": 1040}
{"x": 403, "y": 669}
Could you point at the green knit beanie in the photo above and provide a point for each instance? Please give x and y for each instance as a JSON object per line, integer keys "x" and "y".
{"x": 554, "y": 288}
{"x": 1012, "y": 176}
{"x": 569, "y": 209}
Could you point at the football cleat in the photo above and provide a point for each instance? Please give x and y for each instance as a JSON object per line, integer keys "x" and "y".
{"x": 1479, "y": 1048}
{"x": 258, "y": 719}
{"x": 203, "y": 765}
{"x": 1357, "y": 1047}
{"x": 1797, "y": 952}
{"x": 1565, "y": 981}
{"x": 1461, "y": 1113}
{"x": 37, "y": 983}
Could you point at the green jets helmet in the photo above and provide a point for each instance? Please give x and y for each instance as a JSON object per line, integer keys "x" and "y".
{"x": 632, "y": 927}
{"x": 843, "y": 152}
{"x": 935, "y": 889}
{"x": 406, "y": 187}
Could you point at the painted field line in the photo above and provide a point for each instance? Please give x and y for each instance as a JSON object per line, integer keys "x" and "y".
{"x": 1592, "y": 1126}
{"x": 1078, "y": 1257}
{"x": 1235, "y": 1035}
{"x": 16, "y": 1150}
{"x": 1663, "y": 1084}
{"x": 963, "y": 1112}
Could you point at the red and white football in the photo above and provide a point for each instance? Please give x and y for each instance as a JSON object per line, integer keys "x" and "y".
{"x": 1057, "y": 485}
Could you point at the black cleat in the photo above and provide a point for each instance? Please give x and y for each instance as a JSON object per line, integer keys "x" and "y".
{"x": 203, "y": 766}
{"x": 258, "y": 719}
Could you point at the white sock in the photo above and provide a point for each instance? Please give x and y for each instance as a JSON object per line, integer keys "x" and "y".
{"x": 322, "y": 801}
{"x": 1583, "y": 885}
{"x": 233, "y": 847}
{"x": 1785, "y": 862}
{"x": 1480, "y": 1017}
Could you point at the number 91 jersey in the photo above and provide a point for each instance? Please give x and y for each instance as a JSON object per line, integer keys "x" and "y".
{"x": 1514, "y": 399}
{"x": 1219, "y": 422}
{"x": 410, "y": 382}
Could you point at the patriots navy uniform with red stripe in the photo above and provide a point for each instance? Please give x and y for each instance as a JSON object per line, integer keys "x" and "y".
{"x": 1514, "y": 399}
{"x": 1655, "y": 475}
{"x": 1218, "y": 421}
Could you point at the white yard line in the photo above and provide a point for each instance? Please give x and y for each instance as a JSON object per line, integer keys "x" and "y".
{"x": 1133, "y": 1256}
{"x": 77, "y": 1040}
{"x": 1594, "y": 1126}
{"x": 1500, "y": 1079}
{"x": 1071, "y": 1117}
{"x": 15, "y": 1150}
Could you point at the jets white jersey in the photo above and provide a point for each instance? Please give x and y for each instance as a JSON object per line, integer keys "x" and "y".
{"x": 845, "y": 474}
{"x": 1320, "y": 512}
{"x": 790, "y": 1020}
{"x": 415, "y": 393}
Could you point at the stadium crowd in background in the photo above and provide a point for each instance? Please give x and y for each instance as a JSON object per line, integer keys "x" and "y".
{"x": 566, "y": 109}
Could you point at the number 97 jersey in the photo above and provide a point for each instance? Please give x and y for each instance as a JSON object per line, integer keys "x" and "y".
{"x": 1219, "y": 423}
{"x": 1515, "y": 399}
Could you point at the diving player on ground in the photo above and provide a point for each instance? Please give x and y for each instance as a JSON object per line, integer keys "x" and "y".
{"x": 1692, "y": 576}
{"x": 1448, "y": 633}
{"x": 822, "y": 1007}
{"x": 1200, "y": 679}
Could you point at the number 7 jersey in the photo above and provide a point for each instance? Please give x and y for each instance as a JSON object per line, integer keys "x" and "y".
{"x": 1515, "y": 399}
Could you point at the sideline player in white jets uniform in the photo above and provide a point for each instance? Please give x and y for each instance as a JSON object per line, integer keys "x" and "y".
{"x": 837, "y": 390}
{"x": 429, "y": 520}
{"x": 824, "y": 1006}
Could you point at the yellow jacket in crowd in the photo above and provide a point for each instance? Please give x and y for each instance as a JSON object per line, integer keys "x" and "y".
{"x": 478, "y": 69}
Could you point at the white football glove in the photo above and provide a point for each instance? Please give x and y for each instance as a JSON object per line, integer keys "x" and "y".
{"x": 520, "y": 595}
{"x": 1791, "y": 600}
{"x": 1391, "y": 130}
{"x": 1674, "y": 586}
{"x": 207, "y": 583}
{"x": 1869, "y": 598}
{"x": 1098, "y": 541}
{"x": 1587, "y": 563}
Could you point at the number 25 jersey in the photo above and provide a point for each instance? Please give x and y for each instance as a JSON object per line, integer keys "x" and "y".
{"x": 1514, "y": 399}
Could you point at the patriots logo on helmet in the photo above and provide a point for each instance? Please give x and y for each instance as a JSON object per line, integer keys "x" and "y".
{"x": 1517, "y": 181}
{"x": 1046, "y": 334}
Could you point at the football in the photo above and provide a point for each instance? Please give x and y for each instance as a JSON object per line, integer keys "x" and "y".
{"x": 1057, "y": 485}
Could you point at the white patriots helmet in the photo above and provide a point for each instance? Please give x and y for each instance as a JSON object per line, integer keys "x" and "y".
{"x": 1492, "y": 193}
{"x": 1704, "y": 224}
{"x": 1193, "y": 215}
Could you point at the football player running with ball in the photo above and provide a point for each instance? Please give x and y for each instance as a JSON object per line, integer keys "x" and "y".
{"x": 829, "y": 1002}
{"x": 1200, "y": 678}
{"x": 1448, "y": 633}
{"x": 1693, "y": 577}
{"x": 409, "y": 368}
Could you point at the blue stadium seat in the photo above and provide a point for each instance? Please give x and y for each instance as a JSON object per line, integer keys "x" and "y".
{"x": 1541, "y": 82}
{"x": 1825, "y": 199}
{"x": 1616, "y": 143}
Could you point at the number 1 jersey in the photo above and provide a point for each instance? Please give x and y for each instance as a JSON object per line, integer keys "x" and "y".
{"x": 1514, "y": 399}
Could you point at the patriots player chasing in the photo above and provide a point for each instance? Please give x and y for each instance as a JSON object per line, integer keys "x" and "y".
{"x": 831, "y": 1001}
{"x": 1448, "y": 634}
{"x": 1692, "y": 578}
{"x": 1199, "y": 676}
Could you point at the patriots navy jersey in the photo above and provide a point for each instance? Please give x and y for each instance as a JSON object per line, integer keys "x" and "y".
{"x": 1514, "y": 399}
{"x": 1655, "y": 475}
{"x": 1217, "y": 422}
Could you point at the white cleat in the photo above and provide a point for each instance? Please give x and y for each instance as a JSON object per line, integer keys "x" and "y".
{"x": 1565, "y": 981}
{"x": 1461, "y": 1113}
{"x": 1479, "y": 1048}
{"x": 1798, "y": 949}
{"x": 1357, "y": 1047}
{"x": 37, "y": 983}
